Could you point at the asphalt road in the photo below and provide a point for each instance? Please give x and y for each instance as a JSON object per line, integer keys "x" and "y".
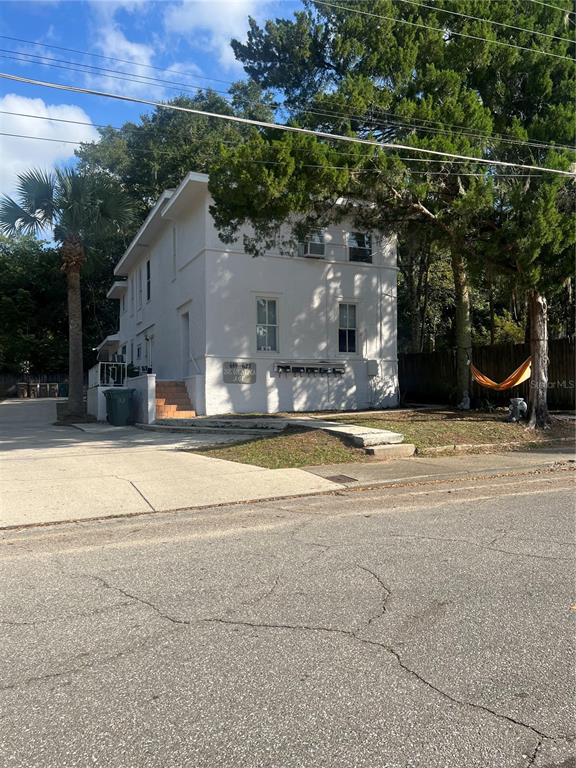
{"x": 421, "y": 626}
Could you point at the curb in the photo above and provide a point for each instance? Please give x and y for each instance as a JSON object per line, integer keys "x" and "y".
{"x": 471, "y": 447}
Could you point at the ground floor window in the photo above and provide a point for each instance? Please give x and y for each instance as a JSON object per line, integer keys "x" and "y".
{"x": 347, "y": 328}
{"x": 266, "y": 325}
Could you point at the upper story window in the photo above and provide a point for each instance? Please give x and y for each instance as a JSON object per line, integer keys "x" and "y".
{"x": 148, "y": 281}
{"x": 174, "y": 252}
{"x": 132, "y": 293}
{"x": 139, "y": 288}
{"x": 347, "y": 329}
{"x": 266, "y": 325}
{"x": 123, "y": 302}
{"x": 313, "y": 245}
{"x": 360, "y": 247}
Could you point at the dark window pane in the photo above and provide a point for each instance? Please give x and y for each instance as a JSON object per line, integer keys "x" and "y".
{"x": 261, "y": 311}
{"x": 351, "y": 316}
{"x": 351, "y": 341}
{"x": 271, "y": 312}
{"x": 272, "y": 345}
{"x": 342, "y": 341}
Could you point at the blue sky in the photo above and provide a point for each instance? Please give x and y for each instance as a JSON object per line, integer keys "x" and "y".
{"x": 191, "y": 37}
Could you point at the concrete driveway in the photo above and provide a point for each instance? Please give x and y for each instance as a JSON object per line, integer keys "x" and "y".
{"x": 52, "y": 474}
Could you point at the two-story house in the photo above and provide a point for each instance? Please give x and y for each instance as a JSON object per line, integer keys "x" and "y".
{"x": 315, "y": 330}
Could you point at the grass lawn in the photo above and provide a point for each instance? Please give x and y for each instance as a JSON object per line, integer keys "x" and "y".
{"x": 433, "y": 428}
{"x": 292, "y": 448}
{"x": 426, "y": 429}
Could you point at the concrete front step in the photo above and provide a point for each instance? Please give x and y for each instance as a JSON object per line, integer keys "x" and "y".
{"x": 393, "y": 451}
{"x": 363, "y": 437}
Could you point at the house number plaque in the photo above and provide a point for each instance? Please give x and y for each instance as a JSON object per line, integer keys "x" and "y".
{"x": 239, "y": 373}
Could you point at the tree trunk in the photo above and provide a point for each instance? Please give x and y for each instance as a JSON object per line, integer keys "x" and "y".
{"x": 462, "y": 328}
{"x": 538, "y": 416}
{"x": 72, "y": 260}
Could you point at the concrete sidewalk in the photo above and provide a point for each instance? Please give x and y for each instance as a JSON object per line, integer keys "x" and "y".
{"x": 51, "y": 474}
{"x": 54, "y": 474}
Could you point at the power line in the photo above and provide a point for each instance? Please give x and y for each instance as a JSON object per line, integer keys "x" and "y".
{"x": 365, "y": 118}
{"x": 280, "y": 162}
{"x": 443, "y": 31}
{"x": 278, "y": 126}
{"x": 137, "y": 129}
{"x": 142, "y": 79}
{"x": 549, "y": 5}
{"x": 488, "y": 21}
{"x": 112, "y": 58}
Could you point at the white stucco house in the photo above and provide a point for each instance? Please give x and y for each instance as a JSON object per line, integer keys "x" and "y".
{"x": 315, "y": 330}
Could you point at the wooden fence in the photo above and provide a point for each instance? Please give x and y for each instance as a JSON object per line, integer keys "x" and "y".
{"x": 429, "y": 377}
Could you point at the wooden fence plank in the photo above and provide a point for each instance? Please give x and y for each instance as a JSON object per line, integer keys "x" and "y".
{"x": 429, "y": 377}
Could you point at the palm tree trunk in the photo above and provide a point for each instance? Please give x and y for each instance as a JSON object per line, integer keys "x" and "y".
{"x": 538, "y": 416}
{"x": 462, "y": 326}
{"x": 72, "y": 259}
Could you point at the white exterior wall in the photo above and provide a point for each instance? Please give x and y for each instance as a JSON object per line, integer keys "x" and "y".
{"x": 217, "y": 287}
{"x": 177, "y": 289}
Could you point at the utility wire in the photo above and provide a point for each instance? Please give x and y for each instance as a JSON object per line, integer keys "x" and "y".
{"x": 389, "y": 122}
{"x": 443, "y": 31}
{"x": 145, "y": 78}
{"x": 111, "y": 73}
{"x": 137, "y": 129}
{"x": 278, "y": 126}
{"x": 301, "y": 165}
{"x": 113, "y": 58}
{"x": 487, "y": 21}
{"x": 549, "y": 5}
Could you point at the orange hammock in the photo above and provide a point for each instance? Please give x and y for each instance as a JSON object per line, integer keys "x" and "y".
{"x": 520, "y": 374}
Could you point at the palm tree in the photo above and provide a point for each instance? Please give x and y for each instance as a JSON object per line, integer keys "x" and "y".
{"x": 79, "y": 208}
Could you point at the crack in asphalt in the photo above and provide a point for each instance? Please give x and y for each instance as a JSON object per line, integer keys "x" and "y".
{"x": 137, "y": 599}
{"x": 386, "y": 590}
{"x": 392, "y": 651}
{"x": 532, "y": 758}
{"x": 473, "y": 544}
{"x": 143, "y": 644}
{"x": 65, "y": 616}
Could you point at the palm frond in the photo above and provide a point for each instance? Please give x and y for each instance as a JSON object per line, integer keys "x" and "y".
{"x": 36, "y": 190}
{"x": 14, "y": 219}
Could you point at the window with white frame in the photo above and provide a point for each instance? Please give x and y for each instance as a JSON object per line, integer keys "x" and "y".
{"x": 148, "y": 281}
{"x": 313, "y": 245}
{"x": 139, "y": 353}
{"x": 266, "y": 325}
{"x": 174, "y": 245}
{"x": 123, "y": 302}
{"x": 347, "y": 328}
{"x": 139, "y": 294}
{"x": 360, "y": 247}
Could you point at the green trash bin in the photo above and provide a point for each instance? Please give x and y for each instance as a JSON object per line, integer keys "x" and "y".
{"x": 119, "y": 406}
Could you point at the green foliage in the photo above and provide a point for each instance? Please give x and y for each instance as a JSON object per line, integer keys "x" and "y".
{"x": 459, "y": 88}
{"x": 33, "y": 318}
{"x": 157, "y": 152}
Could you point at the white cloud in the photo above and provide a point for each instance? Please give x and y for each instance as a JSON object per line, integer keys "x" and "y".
{"x": 213, "y": 24}
{"x": 109, "y": 40}
{"x": 19, "y": 155}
